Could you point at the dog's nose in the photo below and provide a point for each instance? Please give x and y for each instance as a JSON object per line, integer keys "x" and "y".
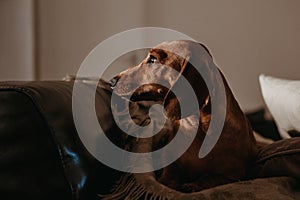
{"x": 113, "y": 82}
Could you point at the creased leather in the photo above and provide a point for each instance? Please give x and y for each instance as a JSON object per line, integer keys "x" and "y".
{"x": 41, "y": 155}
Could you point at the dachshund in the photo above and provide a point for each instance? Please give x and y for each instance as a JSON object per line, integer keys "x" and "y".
{"x": 236, "y": 148}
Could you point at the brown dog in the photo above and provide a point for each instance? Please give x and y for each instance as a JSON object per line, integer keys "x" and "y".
{"x": 236, "y": 148}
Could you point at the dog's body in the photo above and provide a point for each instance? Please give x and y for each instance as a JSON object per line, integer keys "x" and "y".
{"x": 236, "y": 147}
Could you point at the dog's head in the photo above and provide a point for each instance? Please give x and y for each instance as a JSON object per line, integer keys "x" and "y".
{"x": 154, "y": 78}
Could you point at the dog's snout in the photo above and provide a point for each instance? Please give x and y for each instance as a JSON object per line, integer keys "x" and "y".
{"x": 113, "y": 82}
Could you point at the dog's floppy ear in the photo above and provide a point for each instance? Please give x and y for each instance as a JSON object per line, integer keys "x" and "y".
{"x": 196, "y": 63}
{"x": 194, "y": 68}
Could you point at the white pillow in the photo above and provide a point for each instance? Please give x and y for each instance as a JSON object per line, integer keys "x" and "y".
{"x": 282, "y": 98}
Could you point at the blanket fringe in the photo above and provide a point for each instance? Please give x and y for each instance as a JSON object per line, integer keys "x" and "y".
{"x": 127, "y": 188}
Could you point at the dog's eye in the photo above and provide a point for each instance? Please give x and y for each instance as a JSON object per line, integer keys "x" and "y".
{"x": 151, "y": 60}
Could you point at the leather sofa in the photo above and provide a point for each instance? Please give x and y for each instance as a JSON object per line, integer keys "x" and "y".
{"x": 42, "y": 156}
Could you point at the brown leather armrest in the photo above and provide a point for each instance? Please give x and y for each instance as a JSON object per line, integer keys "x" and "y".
{"x": 41, "y": 155}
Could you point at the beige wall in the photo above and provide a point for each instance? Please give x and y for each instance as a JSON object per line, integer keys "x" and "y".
{"x": 246, "y": 38}
{"x": 70, "y": 29}
{"x": 16, "y": 40}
